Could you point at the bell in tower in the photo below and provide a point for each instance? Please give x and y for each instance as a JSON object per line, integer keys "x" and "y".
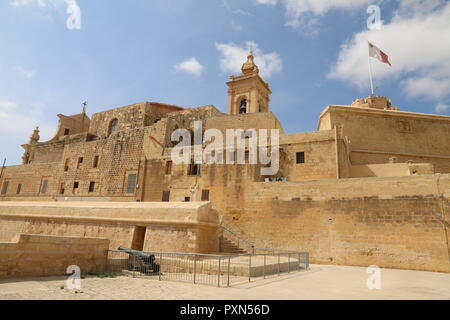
{"x": 248, "y": 93}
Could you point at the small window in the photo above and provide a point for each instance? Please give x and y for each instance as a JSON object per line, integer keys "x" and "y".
{"x": 187, "y": 199}
{"x": 96, "y": 158}
{"x": 169, "y": 165}
{"x": 76, "y": 185}
{"x": 5, "y": 187}
{"x": 300, "y": 157}
{"x": 194, "y": 169}
{"x": 80, "y": 161}
{"x": 131, "y": 183}
{"x": 66, "y": 132}
{"x": 247, "y": 155}
{"x": 91, "y": 187}
{"x": 66, "y": 165}
{"x": 44, "y": 186}
{"x": 166, "y": 196}
{"x": 205, "y": 195}
{"x": 62, "y": 189}
{"x": 19, "y": 189}
{"x": 113, "y": 126}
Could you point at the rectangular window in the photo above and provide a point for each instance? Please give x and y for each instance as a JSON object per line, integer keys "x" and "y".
{"x": 187, "y": 199}
{"x": 80, "y": 161}
{"x": 91, "y": 187}
{"x": 300, "y": 157}
{"x": 66, "y": 132}
{"x": 76, "y": 185}
{"x": 131, "y": 183}
{"x": 205, "y": 195}
{"x": 19, "y": 189}
{"x": 169, "y": 165}
{"x": 62, "y": 188}
{"x": 66, "y": 165}
{"x": 194, "y": 169}
{"x": 5, "y": 187}
{"x": 96, "y": 158}
{"x": 166, "y": 196}
{"x": 44, "y": 186}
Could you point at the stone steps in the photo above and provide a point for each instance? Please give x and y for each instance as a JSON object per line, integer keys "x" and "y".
{"x": 228, "y": 246}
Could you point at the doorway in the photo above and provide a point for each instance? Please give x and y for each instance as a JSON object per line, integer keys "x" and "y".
{"x": 138, "y": 238}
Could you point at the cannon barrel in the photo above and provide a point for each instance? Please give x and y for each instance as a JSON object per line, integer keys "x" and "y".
{"x": 147, "y": 259}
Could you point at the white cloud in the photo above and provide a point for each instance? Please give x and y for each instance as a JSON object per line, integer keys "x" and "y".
{"x": 241, "y": 12}
{"x": 22, "y": 121}
{"x": 7, "y": 104}
{"x": 236, "y": 26}
{"x": 268, "y": 2}
{"x": 441, "y": 108}
{"x": 232, "y": 57}
{"x": 190, "y": 65}
{"x": 26, "y": 73}
{"x": 302, "y": 13}
{"x": 418, "y": 44}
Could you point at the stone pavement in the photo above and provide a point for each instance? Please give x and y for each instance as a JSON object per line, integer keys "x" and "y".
{"x": 320, "y": 282}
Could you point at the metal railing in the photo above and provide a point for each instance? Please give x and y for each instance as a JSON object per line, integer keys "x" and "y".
{"x": 238, "y": 239}
{"x": 207, "y": 269}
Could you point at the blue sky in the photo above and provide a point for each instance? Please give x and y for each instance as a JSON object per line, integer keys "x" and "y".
{"x": 313, "y": 53}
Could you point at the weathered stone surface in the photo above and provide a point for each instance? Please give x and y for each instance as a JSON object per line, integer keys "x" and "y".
{"x": 370, "y": 186}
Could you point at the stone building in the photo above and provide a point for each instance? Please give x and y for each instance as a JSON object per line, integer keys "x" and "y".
{"x": 369, "y": 166}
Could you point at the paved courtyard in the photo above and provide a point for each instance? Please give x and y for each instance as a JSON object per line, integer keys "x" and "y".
{"x": 320, "y": 282}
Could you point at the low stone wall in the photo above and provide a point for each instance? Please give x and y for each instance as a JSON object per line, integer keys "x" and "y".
{"x": 180, "y": 227}
{"x": 37, "y": 255}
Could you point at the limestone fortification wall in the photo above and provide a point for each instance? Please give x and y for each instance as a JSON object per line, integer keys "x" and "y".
{"x": 36, "y": 255}
{"x": 389, "y": 222}
{"x": 181, "y": 227}
{"x": 376, "y": 135}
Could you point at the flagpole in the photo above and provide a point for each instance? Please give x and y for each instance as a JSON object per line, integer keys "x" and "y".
{"x": 370, "y": 73}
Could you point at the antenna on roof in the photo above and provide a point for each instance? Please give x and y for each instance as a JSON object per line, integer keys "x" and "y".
{"x": 84, "y": 106}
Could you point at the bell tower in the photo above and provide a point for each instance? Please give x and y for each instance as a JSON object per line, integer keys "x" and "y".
{"x": 248, "y": 93}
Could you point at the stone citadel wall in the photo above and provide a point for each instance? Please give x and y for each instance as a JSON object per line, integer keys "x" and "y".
{"x": 180, "y": 227}
{"x": 377, "y": 135}
{"x": 389, "y": 222}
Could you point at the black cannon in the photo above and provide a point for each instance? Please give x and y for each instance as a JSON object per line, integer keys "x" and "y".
{"x": 141, "y": 261}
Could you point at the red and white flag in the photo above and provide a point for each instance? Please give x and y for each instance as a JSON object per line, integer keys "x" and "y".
{"x": 376, "y": 53}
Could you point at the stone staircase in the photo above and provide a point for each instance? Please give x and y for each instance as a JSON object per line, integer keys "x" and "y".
{"x": 228, "y": 246}
{"x": 232, "y": 241}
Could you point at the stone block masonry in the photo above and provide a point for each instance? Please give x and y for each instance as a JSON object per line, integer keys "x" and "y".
{"x": 392, "y": 222}
{"x": 181, "y": 227}
{"x": 36, "y": 255}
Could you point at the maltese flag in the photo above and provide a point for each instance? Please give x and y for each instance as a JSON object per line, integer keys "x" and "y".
{"x": 376, "y": 53}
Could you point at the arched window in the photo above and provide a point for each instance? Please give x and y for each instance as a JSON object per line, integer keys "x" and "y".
{"x": 113, "y": 125}
{"x": 243, "y": 106}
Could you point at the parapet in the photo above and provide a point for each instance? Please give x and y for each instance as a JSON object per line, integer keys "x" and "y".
{"x": 374, "y": 102}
